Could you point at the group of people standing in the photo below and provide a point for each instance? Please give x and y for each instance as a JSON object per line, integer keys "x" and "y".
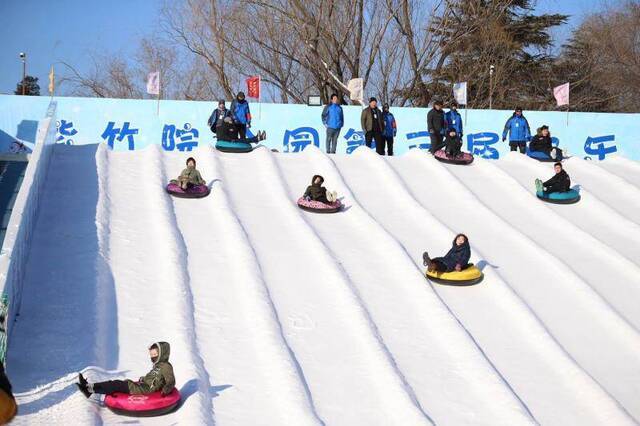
{"x": 232, "y": 124}
{"x": 519, "y": 132}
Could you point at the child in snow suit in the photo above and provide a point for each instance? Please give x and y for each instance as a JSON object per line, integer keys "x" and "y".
{"x": 452, "y": 143}
{"x": 160, "y": 378}
{"x": 189, "y": 176}
{"x": 317, "y": 192}
{"x": 560, "y": 182}
{"x": 541, "y": 142}
{"x": 455, "y": 260}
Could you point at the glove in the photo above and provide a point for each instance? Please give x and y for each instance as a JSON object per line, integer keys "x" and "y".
{"x": 504, "y": 139}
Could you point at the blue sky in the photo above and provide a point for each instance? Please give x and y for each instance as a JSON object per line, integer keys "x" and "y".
{"x": 52, "y": 30}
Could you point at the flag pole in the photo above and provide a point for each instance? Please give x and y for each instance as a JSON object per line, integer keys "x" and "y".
{"x": 568, "y": 108}
{"x": 159, "y": 90}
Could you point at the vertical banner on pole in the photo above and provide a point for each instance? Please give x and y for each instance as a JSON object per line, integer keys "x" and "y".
{"x": 153, "y": 86}
{"x": 561, "y": 93}
{"x": 253, "y": 91}
{"x": 460, "y": 95}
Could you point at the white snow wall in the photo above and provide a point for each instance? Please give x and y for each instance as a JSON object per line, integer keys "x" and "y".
{"x": 15, "y": 248}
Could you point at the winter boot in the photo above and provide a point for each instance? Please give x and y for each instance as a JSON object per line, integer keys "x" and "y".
{"x": 425, "y": 259}
{"x": 332, "y": 196}
{"x": 553, "y": 153}
{"x": 83, "y": 385}
{"x": 539, "y": 187}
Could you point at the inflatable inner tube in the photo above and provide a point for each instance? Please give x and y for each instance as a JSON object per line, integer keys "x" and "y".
{"x": 462, "y": 158}
{"x": 569, "y": 197}
{"x": 318, "y": 207}
{"x": 196, "y": 191}
{"x": 468, "y": 276}
{"x": 149, "y": 405}
{"x": 228, "y": 146}
{"x": 541, "y": 156}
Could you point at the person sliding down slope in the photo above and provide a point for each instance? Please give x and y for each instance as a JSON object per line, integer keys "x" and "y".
{"x": 317, "y": 192}
{"x": 456, "y": 259}
{"x": 560, "y": 182}
{"x": 189, "y": 176}
{"x": 541, "y": 142}
{"x": 160, "y": 378}
{"x": 228, "y": 131}
{"x": 452, "y": 143}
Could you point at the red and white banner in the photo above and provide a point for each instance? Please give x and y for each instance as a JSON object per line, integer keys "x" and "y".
{"x": 561, "y": 93}
{"x": 253, "y": 87}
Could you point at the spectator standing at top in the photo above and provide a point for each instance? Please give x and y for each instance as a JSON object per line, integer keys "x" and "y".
{"x": 436, "y": 126}
{"x": 241, "y": 115}
{"x": 333, "y": 120}
{"x": 453, "y": 119}
{"x": 390, "y": 129}
{"x": 217, "y": 117}
{"x": 519, "y": 132}
{"x": 373, "y": 125}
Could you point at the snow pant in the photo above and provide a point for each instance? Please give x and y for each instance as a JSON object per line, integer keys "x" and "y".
{"x": 251, "y": 140}
{"x": 242, "y": 130}
{"x": 439, "y": 265}
{"x": 111, "y": 386}
{"x": 332, "y": 140}
{"x": 388, "y": 141}
{"x": 521, "y": 145}
{"x": 453, "y": 148}
{"x": 376, "y": 136}
{"x": 555, "y": 188}
{"x": 436, "y": 142}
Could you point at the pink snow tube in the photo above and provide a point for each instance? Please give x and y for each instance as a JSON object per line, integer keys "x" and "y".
{"x": 462, "y": 158}
{"x": 148, "y": 405}
{"x": 318, "y": 207}
{"x": 196, "y": 191}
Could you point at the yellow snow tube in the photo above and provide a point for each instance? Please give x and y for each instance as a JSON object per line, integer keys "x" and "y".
{"x": 468, "y": 276}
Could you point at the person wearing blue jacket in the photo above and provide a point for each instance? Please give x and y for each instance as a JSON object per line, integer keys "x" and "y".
{"x": 333, "y": 120}
{"x": 519, "y": 132}
{"x": 241, "y": 115}
{"x": 453, "y": 119}
{"x": 456, "y": 259}
{"x": 390, "y": 130}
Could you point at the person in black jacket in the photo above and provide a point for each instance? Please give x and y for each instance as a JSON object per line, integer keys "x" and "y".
{"x": 436, "y": 126}
{"x": 456, "y": 259}
{"x": 452, "y": 143}
{"x": 317, "y": 192}
{"x": 541, "y": 142}
{"x": 560, "y": 182}
{"x": 217, "y": 117}
{"x": 228, "y": 131}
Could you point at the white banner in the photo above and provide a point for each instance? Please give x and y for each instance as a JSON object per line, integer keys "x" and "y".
{"x": 356, "y": 90}
{"x": 460, "y": 93}
{"x": 561, "y": 93}
{"x": 153, "y": 83}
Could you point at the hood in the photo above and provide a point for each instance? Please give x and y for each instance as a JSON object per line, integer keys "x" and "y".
{"x": 313, "y": 179}
{"x": 465, "y": 245}
{"x": 164, "y": 350}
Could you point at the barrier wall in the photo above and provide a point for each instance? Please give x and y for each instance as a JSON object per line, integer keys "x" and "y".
{"x": 182, "y": 125}
{"x": 15, "y": 248}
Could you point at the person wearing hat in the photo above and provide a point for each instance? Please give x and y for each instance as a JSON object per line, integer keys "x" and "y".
{"x": 373, "y": 125}
{"x": 217, "y": 117}
{"x": 241, "y": 115}
{"x": 390, "y": 129}
{"x": 519, "y": 132}
{"x": 541, "y": 142}
{"x": 453, "y": 119}
{"x": 333, "y": 120}
{"x": 436, "y": 126}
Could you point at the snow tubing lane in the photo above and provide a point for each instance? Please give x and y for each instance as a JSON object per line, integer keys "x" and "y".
{"x": 541, "y": 156}
{"x": 149, "y": 405}
{"x": 471, "y": 275}
{"x": 197, "y": 191}
{"x": 227, "y": 146}
{"x": 463, "y": 158}
{"x": 570, "y": 197}
{"x": 318, "y": 207}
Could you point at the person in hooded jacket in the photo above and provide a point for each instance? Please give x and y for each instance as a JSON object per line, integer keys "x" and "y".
{"x": 560, "y": 182}
{"x": 8, "y": 406}
{"x": 541, "y": 142}
{"x": 452, "y": 143}
{"x": 390, "y": 129}
{"x": 453, "y": 119}
{"x": 436, "y": 126}
{"x": 317, "y": 192}
{"x": 189, "y": 176}
{"x": 241, "y": 114}
{"x": 217, "y": 117}
{"x": 456, "y": 259}
{"x": 517, "y": 127}
{"x": 333, "y": 120}
{"x": 160, "y": 378}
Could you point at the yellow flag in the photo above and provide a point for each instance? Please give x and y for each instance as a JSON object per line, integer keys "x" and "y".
{"x": 52, "y": 81}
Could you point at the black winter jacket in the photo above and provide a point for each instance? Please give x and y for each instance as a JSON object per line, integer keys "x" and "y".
{"x": 560, "y": 182}
{"x": 458, "y": 255}
{"x": 541, "y": 143}
{"x": 435, "y": 121}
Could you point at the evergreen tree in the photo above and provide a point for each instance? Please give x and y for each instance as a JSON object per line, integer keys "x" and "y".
{"x": 31, "y": 86}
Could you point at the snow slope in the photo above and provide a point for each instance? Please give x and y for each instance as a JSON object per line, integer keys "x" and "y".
{"x": 279, "y": 316}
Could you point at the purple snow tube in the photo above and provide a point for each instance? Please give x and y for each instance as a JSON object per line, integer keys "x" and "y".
{"x": 318, "y": 207}
{"x": 196, "y": 191}
{"x": 462, "y": 158}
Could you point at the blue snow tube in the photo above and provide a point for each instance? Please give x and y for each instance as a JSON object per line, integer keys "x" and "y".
{"x": 540, "y": 156}
{"x": 569, "y": 197}
{"x": 228, "y": 146}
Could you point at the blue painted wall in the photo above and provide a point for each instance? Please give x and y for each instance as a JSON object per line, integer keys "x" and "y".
{"x": 182, "y": 125}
